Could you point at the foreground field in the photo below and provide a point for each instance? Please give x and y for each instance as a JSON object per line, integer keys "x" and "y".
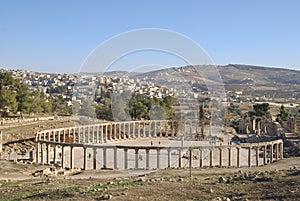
{"x": 279, "y": 181}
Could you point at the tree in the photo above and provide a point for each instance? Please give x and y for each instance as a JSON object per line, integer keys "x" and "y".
{"x": 60, "y": 107}
{"x": 283, "y": 115}
{"x": 261, "y": 110}
{"x": 139, "y": 107}
{"x": 157, "y": 113}
{"x": 8, "y": 87}
{"x": 167, "y": 105}
{"x": 46, "y": 103}
{"x": 75, "y": 107}
{"x": 24, "y": 99}
{"x": 87, "y": 108}
{"x": 103, "y": 111}
{"x": 8, "y": 100}
{"x": 36, "y": 104}
{"x": 119, "y": 110}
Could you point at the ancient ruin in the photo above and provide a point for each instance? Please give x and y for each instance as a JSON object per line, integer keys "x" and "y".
{"x": 161, "y": 144}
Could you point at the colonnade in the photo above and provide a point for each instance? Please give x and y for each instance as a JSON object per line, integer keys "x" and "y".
{"x": 58, "y": 147}
{"x": 104, "y": 132}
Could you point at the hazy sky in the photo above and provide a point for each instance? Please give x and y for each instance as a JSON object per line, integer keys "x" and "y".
{"x": 57, "y": 36}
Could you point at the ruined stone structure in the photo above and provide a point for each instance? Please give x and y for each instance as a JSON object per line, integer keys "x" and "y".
{"x": 259, "y": 126}
{"x": 89, "y": 147}
{"x": 292, "y": 125}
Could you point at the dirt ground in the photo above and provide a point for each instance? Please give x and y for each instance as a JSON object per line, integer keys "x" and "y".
{"x": 25, "y": 130}
{"x": 277, "y": 181}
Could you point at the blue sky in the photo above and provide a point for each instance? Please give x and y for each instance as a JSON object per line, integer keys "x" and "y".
{"x": 57, "y": 36}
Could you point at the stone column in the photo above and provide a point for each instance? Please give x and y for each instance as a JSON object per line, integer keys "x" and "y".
{"x": 229, "y": 157}
{"x": 97, "y": 134}
{"x": 69, "y": 134}
{"x": 139, "y": 130}
{"x": 58, "y": 136}
{"x": 124, "y": 131}
{"x": 63, "y": 156}
{"x": 104, "y": 158}
{"x": 74, "y": 135}
{"x": 111, "y": 132}
{"x": 158, "y": 159}
{"x": 125, "y": 159}
{"x": 238, "y": 156}
{"x": 64, "y": 136}
{"x": 265, "y": 154}
{"x": 147, "y": 159}
{"x": 249, "y": 156}
{"x": 210, "y": 157}
{"x": 84, "y": 158}
{"x": 94, "y": 158}
{"x": 281, "y": 150}
{"x": 120, "y": 131}
{"x": 129, "y": 134}
{"x": 271, "y": 153}
{"x": 105, "y": 135}
{"x": 149, "y": 130}
{"x": 49, "y": 135}
{"x": 133, "y": 130}
{"x": 277, "y": 151}
{"x": 107, "y": 130}
{"x": 258, "y": 127}
{"x": 37, "y": 152}
{"x": 253, "y": 125}
{"x": 169, "y": 158}
{"x": 160, "y": 130}
{"x": 54, "y": 136}
{"x": 79, "y": 134}
{"x": 201, "y": 158}
{"x": 221, "y": 157}
{"x": 54, "y": 154}
{"x": 93, "y": 134}
{"x": 42, "y": 153}
{"x": 48, "y": 153}
{"x": 115, "y": 131}
{"x": 101, "y": 134}
{"x": 179, "y": 158}
{"x": 83, "y": 134}
{"x": 115, "y": 158}
{"x": 190, "y": 161}
{"x": 257, "y": 156}
{"x": 247, "y": 129}
{"x": 71, "y": 157}
{"x": 31, "y": 155}
{"x": 136, "y": 159}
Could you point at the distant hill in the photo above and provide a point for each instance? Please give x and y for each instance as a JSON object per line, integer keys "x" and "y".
{"x": 251, "y": 79}
{"x": 241, "y": 74}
